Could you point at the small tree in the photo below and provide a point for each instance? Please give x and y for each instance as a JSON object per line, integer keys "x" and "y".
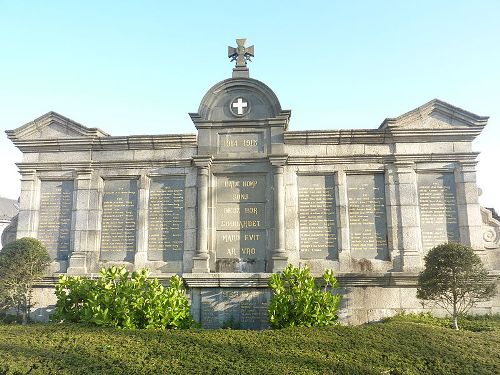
{"x": 298, "y": 301}
{"x": 22, "y": 262}
{"x": 455, "y": 279}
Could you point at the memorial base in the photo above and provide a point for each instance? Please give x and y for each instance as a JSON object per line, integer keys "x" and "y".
{"x": 412, "y": 262}
{"x": 140, "y": 259}
{"x": 279, "y": 263}
{"x": 77, "y": 264}
{"x": 200, "y": 264}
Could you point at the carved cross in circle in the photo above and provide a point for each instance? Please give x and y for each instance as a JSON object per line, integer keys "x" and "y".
{"x": 239, "y": 104}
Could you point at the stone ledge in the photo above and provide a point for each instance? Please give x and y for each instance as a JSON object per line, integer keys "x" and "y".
{"x": 260, "y": 280}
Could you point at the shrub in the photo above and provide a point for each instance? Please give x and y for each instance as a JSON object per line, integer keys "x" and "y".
{"x": 22, "y": 262}
{"x": 116, "y": 300}
{"x": 455, "y": 279}
{"x": 298, "y": 301}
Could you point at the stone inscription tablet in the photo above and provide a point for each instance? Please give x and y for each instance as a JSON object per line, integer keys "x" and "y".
{"x": 317, "y": 217}
{"x": 241, "y": 142}
{"x": 234, "y": 308}
{"x": 241, "y": 223}
{"x": 367, "y": 216}
{"x": 119, "y": 219}
{"x": 166, "y": 219}
{"x": 438, "y": 209}
{"x": 54, "y": 226}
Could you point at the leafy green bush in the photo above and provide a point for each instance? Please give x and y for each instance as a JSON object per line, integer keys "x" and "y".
{"x": 298, "y": 301}
{"x": 116, "y": 300}
{"x": 22, "y": 262}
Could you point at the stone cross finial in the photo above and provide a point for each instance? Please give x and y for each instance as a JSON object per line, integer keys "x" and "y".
{"x": 241, "y": 55}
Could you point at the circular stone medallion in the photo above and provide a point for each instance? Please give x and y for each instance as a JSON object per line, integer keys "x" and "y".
{"x": 239, "y": 106}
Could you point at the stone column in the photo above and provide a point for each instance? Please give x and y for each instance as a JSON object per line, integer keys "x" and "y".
{"x": 83, "y": 196}
{"x": 141, "y": 255}
{"x": 27, "y": 224}
{"x": 279, "y": 256}
{"x": 469, "y": 210}
{"x": 407, "y": 224}
{"x": 201, "y": 257}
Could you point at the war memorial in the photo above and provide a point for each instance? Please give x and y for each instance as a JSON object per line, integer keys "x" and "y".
{"x": 245, "y": 196}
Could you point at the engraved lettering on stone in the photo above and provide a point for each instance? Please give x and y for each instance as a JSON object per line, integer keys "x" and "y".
{"x": 54, "y": 227}
{"x": 166, "y": 219}
{"x": 438, "y": 209}
{"x": 317, "y": 217}
{"x": 367, "y": 216}
{"x": 241, "y": 224}
{"x": 119, "y": 216}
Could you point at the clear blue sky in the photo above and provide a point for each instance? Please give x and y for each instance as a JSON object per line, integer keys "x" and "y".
{"x": 138, "y": 67}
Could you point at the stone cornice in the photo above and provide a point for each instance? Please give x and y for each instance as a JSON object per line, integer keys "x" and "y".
{"x": 377, "y": 136}
{"x": 140, "y": 142}
{"x": 381, "y": 159}
{"x": 334, "y": 137}
{"x": 279, "y": 121}
{"x": 132, "y": 164}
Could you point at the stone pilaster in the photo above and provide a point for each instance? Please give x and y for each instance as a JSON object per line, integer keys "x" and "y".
{"x": 343, "y": 227}
{"x": 27, "y": 224}
{"x": 279, "y": 256}
{"x": 409, "y": 241}
{"x": 201, "y": 257}
{"x": 141, "y": 255}
{"x": 469, "y": 210}
{"x": 83, "y": 196}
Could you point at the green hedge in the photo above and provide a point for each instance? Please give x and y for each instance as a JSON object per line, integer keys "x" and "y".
{"x": 387, "y": 348}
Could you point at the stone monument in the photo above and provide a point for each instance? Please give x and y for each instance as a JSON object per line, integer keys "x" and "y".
{"x": 245, "y": 196}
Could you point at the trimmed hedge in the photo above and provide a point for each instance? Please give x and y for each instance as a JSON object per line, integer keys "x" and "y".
{"x": 388, "y": 348}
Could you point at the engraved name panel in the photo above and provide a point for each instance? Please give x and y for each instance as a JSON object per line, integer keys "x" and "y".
{"x": 317, "y": 217}
{"x": 119, "y": 220}
{"x": 234, "y": 308}
{"x": 438, "y": 209}
{"x": 367, "y": 216}
{"x": 241, "y": 142}
{"x": 166, "y": 219}
{"x": 54, "y": 226}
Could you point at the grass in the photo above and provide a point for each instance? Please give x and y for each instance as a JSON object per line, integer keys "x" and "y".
{"x": 402, "y": 345}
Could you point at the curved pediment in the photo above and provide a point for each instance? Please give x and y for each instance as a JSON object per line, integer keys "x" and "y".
{"x": 236, "y": 99}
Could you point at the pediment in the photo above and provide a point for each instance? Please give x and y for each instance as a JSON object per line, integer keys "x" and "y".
{"x": 436, "y": 114}
{"x": 53, "y": 126}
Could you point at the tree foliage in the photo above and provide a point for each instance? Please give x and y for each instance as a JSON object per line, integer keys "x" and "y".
{"x": 455, "y": 279}
{"x": 298, "y": 301}
{"x": 117, "y": 300}
{"x": 22, "y": 262}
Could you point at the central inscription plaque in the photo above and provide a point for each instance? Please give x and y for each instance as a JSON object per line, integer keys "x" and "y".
{"x": 56, "y": 205}
{"x": 317, "y": 217}
{"x": 367, "y": 216}
{"x": 438, "y": 209}
{"x": 119, "y": 220}
{"x": 166, "y": 219}
{"x": 241, "y": 223}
